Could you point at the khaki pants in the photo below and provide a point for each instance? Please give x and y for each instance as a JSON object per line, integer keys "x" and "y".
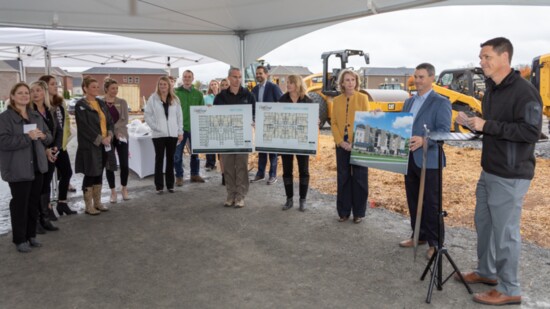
{"x": 235, "y": 169}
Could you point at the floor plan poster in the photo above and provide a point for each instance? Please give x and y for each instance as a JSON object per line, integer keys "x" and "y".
{"x": 290, "y": 128}
{"x": 381, "y": 140}
{"x": 221, "y": 129}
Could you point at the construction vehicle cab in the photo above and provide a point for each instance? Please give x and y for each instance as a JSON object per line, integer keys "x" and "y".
{"x": 465, "y": 88}
{"x": 322, "y": 88}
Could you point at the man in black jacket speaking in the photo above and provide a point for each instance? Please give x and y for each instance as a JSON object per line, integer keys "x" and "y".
{"x": 511, "y": 125}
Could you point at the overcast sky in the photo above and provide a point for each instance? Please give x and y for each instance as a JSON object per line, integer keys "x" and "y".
{"x": 447, "y": 37}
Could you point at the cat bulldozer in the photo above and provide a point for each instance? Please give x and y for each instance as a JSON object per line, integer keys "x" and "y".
{"x": 322, "y": 88}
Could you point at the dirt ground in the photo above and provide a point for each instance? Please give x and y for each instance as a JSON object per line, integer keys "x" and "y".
{"x": 387, "y": 190}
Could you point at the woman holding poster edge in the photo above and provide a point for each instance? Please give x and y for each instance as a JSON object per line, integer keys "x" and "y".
{"x": 296, "y": 93}
{"x": 353, "y": 188}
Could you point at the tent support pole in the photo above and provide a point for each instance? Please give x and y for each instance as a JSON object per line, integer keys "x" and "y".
{"x": 22, "y": 74}
{"x": 242, "y": 36}
{"x": 47, "y": 61}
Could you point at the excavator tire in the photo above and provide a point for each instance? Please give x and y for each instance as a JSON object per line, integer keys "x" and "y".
{"x": 323, "y": 108}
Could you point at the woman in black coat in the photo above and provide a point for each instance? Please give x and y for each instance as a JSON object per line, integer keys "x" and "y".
{"x": 61, "y": 139}
{"x": 94, "y": 134}
{"x": 23, "y": 136}
{"x": 296, "y": 93}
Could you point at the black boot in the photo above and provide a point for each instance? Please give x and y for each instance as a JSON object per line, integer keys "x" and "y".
{"x": 48, "y": 226}
{"x": 63, "y": 208}
{"x": 289, "y": 203}
{"x": 302, "y": 204}
{"x": 223, "y": 180}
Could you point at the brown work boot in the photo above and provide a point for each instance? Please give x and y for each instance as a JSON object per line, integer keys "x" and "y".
{"x": 88, "y": 202}
{"x": 409, "y": 243}
{"x": 179, "y": 181}
{"x": 196, "y": 178}
{"x": 495, "y": 298}
{"x": 473, "y": 277}
{"x": 239, "y": 203}
{"x": 96, "y": 196}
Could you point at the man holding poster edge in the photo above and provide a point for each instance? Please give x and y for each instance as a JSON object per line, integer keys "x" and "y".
{"x": 235, "y": 165}
{"x": 432, "y": 111}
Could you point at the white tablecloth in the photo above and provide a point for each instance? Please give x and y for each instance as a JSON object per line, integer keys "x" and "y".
{"x": 142, "y": 155}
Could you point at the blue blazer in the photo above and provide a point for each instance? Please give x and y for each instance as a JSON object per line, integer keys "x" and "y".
{"x": 272, "y": 92}
{"x": 436, "y": 114}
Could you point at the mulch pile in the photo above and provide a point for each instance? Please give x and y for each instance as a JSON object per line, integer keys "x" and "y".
{"x": 387, "y": 189}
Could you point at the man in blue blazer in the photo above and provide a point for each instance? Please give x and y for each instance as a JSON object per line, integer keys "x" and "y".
{"x": 434, "y": 111}
{"x": 266, "y": 91}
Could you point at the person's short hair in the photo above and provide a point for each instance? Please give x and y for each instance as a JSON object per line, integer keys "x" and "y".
{"x": 299, "y": 82}
{"x": 263, "y": 68}
{"x": 87, "y": 81}
{"x": 500, "y": 45}
{"x": 428, "y": 67}
{"x": 188, "y": 71}
{"x": 345, "y": 72}
{"x": 107, "y": 82}
{"x": 42, "y": 84}
{"x": 231, "y": 69}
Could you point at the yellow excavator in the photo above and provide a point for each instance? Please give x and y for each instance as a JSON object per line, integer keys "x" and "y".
{"x": 464, "y": 88}
{"x": 322, "y": 88}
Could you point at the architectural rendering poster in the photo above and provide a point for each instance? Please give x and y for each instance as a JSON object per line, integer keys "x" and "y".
{"x": 381, "y": 140}
{"x": 289, "y": 128}
{"x": 221, "y": 129}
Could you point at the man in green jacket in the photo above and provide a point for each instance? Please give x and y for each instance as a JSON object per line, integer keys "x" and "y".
{"x": 189, "y": 96}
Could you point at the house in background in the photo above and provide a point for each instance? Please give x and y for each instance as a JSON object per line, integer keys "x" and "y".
{"x": 279, "y": 74}
{"x": 385, "y": 78}
{"x": 77, "y": 84}
{"x": 135, "y": 84}
{"x": 9, "y": 75}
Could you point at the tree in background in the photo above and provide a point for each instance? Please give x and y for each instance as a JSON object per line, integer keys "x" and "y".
{"x": 524, "y": 71}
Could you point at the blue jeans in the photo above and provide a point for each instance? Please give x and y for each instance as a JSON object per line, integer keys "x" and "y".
{"x": 262, "y": 162}
{"x": 178, "y": 158}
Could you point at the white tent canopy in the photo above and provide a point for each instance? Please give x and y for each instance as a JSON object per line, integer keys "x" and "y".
{"x": 232, "y": 31}
{"x": 79, "y": 49}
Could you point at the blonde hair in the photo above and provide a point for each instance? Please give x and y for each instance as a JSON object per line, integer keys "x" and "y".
{"x": 87, "y": 81}
{"x": 210, "y": 89}
{"x": 44, "y": 86}
{"x": 107, "y": 82}
{"x": 171, "y": 95}
{"x": 350, "y": 72}
{"x": 299, "y": 82}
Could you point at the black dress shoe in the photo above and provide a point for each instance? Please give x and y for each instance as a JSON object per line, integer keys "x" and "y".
{"x": 289, "y": 203}
{"x": 34, "y": 243}
{"x": 48, "y": 226}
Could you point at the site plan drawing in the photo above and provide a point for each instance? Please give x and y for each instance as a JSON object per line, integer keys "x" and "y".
{"x": 221, "y": 129}
{"x": 381, "y": 140}
{"x": 288, "y": 128}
